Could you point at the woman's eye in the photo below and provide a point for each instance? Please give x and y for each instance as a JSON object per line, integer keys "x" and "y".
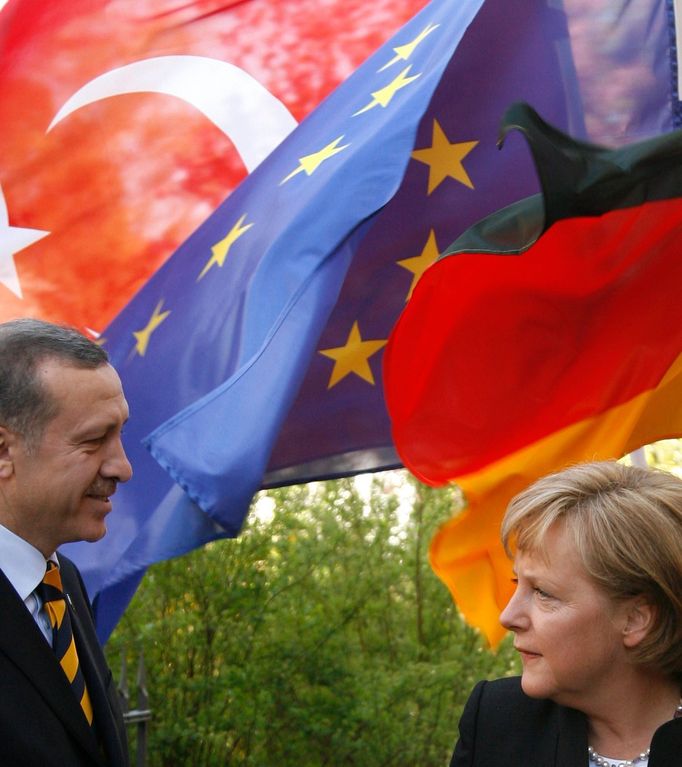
{"x": 542, "y": 594}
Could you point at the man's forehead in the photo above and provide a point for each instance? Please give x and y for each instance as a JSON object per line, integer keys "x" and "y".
{"x": 80, "y": 387}
{"x": 54, "y": 370}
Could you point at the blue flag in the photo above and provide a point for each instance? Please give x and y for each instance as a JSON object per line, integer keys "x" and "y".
{"x": 252, "y": 357}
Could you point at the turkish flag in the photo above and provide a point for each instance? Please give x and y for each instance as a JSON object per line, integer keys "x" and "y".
{"x": 159, "y": 107}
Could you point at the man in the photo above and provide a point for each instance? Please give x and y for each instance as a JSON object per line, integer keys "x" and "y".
{"x": 62, "y": 410}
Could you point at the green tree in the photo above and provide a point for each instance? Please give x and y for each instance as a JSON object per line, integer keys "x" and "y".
{"x": 318, "y": 637}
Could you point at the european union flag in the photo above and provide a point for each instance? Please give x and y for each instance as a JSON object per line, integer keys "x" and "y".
{"x": 252, "y": 357}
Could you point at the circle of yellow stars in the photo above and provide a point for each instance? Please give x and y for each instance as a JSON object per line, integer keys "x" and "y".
{"x": 445, "y": 159}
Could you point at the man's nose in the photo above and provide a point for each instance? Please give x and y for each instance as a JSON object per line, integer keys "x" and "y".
{"x": 116, "y": 465}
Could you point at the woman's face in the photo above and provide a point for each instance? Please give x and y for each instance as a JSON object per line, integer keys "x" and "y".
{"x": 568, "y": 632}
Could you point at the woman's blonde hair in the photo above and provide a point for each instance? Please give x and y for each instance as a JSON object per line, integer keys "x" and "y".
{"x": 626, "y": 523}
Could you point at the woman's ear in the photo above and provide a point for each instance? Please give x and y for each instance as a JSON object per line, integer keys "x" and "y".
{"x": 640, "y": 618}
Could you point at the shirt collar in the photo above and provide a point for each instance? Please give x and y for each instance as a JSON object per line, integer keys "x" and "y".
{"x": 22, "y": 563}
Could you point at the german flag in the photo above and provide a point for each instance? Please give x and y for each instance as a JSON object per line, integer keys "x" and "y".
{"x": 547, "y": 334}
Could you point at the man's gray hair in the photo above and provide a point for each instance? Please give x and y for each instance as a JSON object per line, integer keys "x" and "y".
{"x": 25, "y": 405}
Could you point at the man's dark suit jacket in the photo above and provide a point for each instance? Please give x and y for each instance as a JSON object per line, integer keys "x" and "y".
{"x": 41, "y": 722}
{"x": 501, "y": 725}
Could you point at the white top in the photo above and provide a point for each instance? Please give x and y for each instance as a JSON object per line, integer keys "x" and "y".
{"x": 24, "y": 567}
{"x": 616, "y": 762}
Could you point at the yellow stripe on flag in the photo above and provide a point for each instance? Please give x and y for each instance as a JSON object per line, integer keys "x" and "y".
{"x": 466, "y": 552}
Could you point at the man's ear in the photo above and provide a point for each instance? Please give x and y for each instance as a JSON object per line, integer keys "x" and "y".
{"x": 640, "y": 620}
{"x": 7, "y": 440}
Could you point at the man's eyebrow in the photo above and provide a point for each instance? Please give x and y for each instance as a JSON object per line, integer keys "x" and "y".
{"x": 96, "y": 427}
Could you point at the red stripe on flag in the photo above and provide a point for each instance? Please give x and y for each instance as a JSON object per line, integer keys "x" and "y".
{"x": 495, "y": 352}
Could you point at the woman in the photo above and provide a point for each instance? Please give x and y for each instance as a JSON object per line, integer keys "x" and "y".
{"x": 597, "y": 619}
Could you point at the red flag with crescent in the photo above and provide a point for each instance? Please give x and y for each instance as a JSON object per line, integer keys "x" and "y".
{"x": 124, "y": 124}
{"x": 549, "y": 333}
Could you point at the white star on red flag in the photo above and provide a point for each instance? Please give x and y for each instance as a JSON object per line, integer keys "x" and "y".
{"x": 12, "y": 240}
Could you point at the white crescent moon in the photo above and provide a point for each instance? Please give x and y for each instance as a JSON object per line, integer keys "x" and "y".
{"x": 246, "y": 112}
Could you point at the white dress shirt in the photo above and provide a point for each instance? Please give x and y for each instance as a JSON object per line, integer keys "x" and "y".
{"x": 24, "y": 566}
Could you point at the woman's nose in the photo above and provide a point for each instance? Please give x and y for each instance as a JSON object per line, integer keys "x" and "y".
{"x": 512, "y": 617}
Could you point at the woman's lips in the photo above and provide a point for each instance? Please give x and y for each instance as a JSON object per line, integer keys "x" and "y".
{"x": 527, "y": 654}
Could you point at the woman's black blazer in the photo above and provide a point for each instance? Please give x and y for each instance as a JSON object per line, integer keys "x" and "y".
{"x": 501, "y": 725}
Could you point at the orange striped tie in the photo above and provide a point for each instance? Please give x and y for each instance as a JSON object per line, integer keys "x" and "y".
{"x": 52, "y": 594}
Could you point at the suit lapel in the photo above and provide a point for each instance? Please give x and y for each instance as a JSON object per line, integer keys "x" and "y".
{"x": 94, "y": 667}
{"x": 23, "y": 644}
{"x": 666, "y": 745}
{"x": 572, "y": 740}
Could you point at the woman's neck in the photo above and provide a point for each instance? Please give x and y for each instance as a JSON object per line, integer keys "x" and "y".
{"x": 624, "y": 726}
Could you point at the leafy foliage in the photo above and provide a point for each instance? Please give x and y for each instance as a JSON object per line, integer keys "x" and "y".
{"x": 318, "y": 637}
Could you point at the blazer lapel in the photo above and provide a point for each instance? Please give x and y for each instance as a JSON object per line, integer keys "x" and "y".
{"x": 97, "y": 687}
{"x": 666, "y": 746}
{"x": 23, "y": 644}
{"x": 572, "y": 740}
{"x": 95, "y": 669}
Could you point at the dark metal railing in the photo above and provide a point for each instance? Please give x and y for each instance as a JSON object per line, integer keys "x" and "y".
{"x": 140, "y": 716}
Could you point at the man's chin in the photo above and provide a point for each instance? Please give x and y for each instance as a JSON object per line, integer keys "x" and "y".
{"x": 96, "y": 534}
{"x": 93, "y": 532}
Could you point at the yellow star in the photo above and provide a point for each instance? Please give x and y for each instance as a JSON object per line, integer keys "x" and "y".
{"x": 220, "y": 250}
{"x": 445, "y": 159}
{"x": 352, "y": 357}
{"x": 419, "y": 264}
{"x": 311, "y": 162}
{"x": 403, "y": 52}
{"x": 383, "y": 96}
{"x": 142, "y": 336}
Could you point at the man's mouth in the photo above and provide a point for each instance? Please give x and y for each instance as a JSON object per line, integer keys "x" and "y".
{"x": 101, "y": 493}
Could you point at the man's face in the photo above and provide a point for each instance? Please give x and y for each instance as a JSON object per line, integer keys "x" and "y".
{"x": 61, "y": 487}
